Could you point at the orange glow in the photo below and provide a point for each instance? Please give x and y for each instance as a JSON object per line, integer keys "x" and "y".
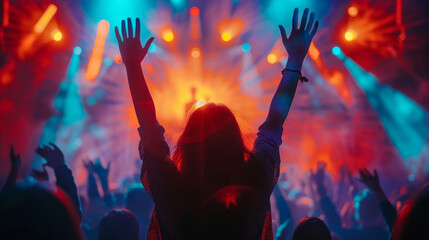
{"x": 272, "y": 58}
{"x": 349, "y": 35}
{"x": 313, "y": 51}
{"x": 167, "y": 35}
{"x": 97, "y": 52}
{"x": 118, "y": 59}
{"x": 353, "y": 11}
{"x": 226, "y": 36}
{"x": 195, "y": 52}
{"x": 230, "y": 29}
{"x": 45, "y": 18}
{"x": 194, "y": 11}
{"x": 56, "y": 35}
{"x": 376, "y": 29}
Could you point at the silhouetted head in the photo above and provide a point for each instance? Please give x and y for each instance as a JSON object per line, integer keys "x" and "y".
{"x": 311, "y": 228}
{"x": 367, "y": 211}
{"x": 413, "y": 220}
{"x": 211, "y": 151}
{"x": 138, "y": 201}
{"x": 119, "y": 224}
{"x": 34, "y": 211}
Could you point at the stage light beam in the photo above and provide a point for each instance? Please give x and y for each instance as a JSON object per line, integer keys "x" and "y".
{"x": 45, "y": 18}
{"x": 95, "y": 60}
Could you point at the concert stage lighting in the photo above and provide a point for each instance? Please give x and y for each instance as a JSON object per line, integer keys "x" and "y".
{"x": 45, "y": 18}
{"x": 168, "y": 35}
{"x": 194, "y": 11}
{"x": 246, "y": 47}
{"x": 349, "y": 35}
{"x": 336, "y": 51}
{"x": 77, "y": 50}
{"x": 226, "y": 36}
{"x": 352, "y": 11}
{"x": 272, "y": 58}
{"x": 195, "y": 52}
{"x": 97, "y": 52}
{"x": 56, "y": 35}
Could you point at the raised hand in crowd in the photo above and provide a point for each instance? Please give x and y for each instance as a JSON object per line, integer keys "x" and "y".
{"x": 102, "y": 173}
{"x": 318, "y": 179}
{"x": 130, "y": 45}
{"x": 299, "y": 40}
{"x": 92, "y": 189}
{"x": 297, "y": 45}
{"x": 55, "y": 159}
{"x": 96, "y": 168}
{"x": 52, "y": 154}
{"x": 132, "y": 54}
{"x": 372, "y": 182}
{"x": 15, "y": 161}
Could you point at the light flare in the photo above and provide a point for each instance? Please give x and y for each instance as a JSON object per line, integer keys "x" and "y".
{"x": 95, "y": 60}
{"x": 272, "y": 58}
{"x": 56, "y": 35}
{"x": 350, "y": 35}
{"x": 167, "y": 35}
{"x": 45, "y": 18}
{"x": 195, "y": 52}
{"x": 353, "y": 11}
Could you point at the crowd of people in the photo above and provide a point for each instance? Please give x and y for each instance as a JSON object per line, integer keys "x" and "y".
{"x": 213, "y": 186}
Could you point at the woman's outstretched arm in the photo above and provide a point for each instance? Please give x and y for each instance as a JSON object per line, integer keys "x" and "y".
{"x": 132, "y": 54}
{"x": 296, "y": 45}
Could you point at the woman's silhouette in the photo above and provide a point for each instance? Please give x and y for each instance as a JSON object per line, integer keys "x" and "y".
{"x": 213, "y": 187}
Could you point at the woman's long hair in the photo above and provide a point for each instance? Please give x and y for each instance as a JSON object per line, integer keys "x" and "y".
{"x": 211, "y": 148}
{"x": 210, "y": 155}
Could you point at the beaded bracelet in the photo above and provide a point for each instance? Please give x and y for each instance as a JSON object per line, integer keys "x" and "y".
{"x": 302, "y": 78}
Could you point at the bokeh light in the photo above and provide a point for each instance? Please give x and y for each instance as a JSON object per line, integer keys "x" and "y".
{"x": 246, "y": 47}
{"x": 272, "y": 58}
{"x": 195, "y": 52}
{"x": 350, "y": 35}
{"x": 118, "y": 59}
{"x": 336, "y": 50}
{"x": 352, "y": 11}
{"x": 194, "y": 11}
{"x": 168, "y": 35}
{"x": 77, "y": 50}
{"x": 56, "y": 35}
{"x": 226, "y": 36}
